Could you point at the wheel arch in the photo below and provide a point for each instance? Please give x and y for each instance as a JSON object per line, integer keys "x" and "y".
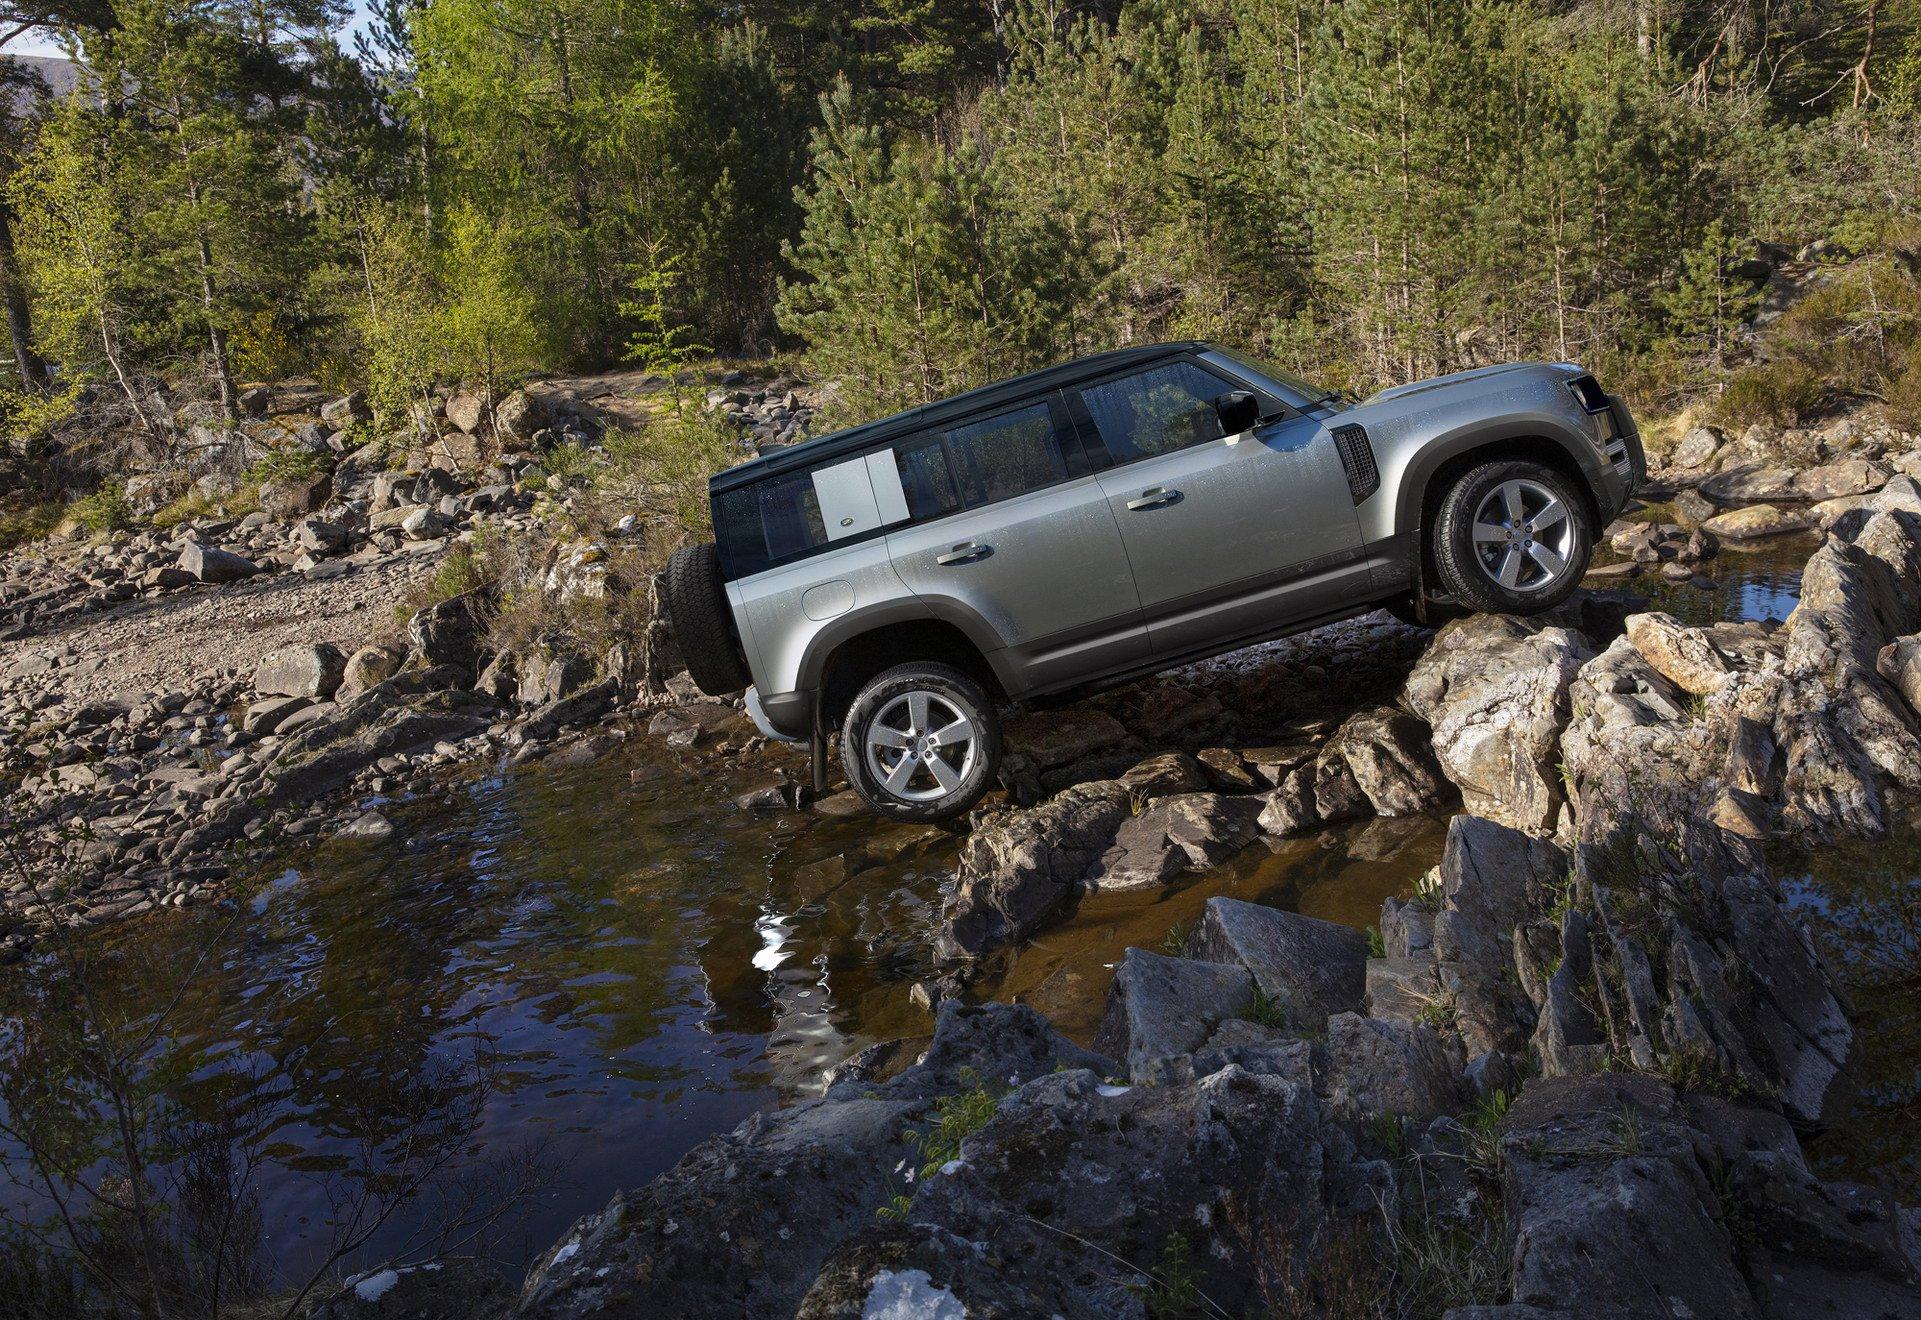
{"x": 1436, "y": 469}
{"x": 841, "y": 661}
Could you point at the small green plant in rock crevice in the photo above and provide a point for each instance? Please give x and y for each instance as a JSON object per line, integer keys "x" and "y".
{"x": 1175, "y": 940}
{"x": 1376, "y": 943}
{"x": 956, "y": 1118}
{"x": 1173, "y": 1291}
{"x": 1262, "y": 1010}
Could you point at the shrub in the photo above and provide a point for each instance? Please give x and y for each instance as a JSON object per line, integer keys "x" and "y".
{"x": 106, "y": 510}
{"x": 1778, "y": 393}
{"x": 194, "y": 505}
{"x": 665, "y": 467}
{"x": 20, "y": 523}
{"x": 288, "y": 464}
{"x": 1904, "y": 395}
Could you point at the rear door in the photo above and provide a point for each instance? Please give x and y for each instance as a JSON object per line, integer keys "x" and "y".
{"x": 1229, "y": 536}
{"x": 1011, "y": 527}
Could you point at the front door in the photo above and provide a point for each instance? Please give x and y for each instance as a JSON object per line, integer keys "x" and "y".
{"x": 1229, "y": 536}
{"x": 1011, "y": 528}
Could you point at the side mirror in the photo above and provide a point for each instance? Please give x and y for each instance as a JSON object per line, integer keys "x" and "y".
{"x": 1238, "y": 410}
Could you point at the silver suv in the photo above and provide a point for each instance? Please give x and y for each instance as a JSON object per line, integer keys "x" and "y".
{"x": 904, "y": 580}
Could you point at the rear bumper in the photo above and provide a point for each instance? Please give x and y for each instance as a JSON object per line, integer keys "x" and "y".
{"x": 787, "y": 717}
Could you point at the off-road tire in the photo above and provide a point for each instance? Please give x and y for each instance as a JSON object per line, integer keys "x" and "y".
{"x": 702, "y": 621}
{"x": 1455, "y": 558}
{"x": 949, "y": 685}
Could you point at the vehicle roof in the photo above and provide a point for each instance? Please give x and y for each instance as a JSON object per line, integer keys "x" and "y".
{"x": 952, "y": 408}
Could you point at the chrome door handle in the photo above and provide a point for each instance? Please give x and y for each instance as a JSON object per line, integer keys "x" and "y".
{"x": 965, "y": 553}
{"x": 1154, "y": 497}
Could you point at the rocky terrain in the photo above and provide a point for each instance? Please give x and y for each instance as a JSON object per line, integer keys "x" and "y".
{"x": 1571, "y": 1077}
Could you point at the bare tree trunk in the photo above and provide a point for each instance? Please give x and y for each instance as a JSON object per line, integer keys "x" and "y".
{"x": 33, "y": 369}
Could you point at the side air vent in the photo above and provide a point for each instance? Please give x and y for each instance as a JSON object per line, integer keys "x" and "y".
{"x": 1357, "y": 456}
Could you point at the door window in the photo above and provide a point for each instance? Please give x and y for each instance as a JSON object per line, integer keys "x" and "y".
{"x": 1157, "y": 411}
{"x": 1001, "y": 457}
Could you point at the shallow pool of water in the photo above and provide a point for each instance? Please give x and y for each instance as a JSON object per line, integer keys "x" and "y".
{"x": 566, "y": 978}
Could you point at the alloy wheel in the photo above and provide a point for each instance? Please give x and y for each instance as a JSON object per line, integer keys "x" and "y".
{"x": 1523, "y": 537}
{"x": 921, "y": 746}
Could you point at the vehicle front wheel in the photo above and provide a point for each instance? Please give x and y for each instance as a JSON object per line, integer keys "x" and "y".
{"x": 1512, "y": 537}
{"x": 921, "y": 742}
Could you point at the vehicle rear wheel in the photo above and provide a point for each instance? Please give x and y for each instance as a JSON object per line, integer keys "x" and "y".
{"x": 703, "y": 622}
{"x": 921, "y": 742}
{"x": 1512, "y": 537}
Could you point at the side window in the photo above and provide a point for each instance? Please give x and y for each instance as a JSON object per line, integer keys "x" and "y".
{"x": 790, "y": 515}
{"x": 1008, "y": 455}
{"x": 925, "y": 477}
{"x": 1157, "y": 411}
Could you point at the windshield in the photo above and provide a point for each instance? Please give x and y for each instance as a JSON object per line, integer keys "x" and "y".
{"x": 1300, "y": 393}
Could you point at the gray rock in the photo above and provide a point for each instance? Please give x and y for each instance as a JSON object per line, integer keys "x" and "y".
{"x": 308, "y": 670}
{"x": 206, "y": 563}
{"x": 1849, "y": 476}
{"x": 1697, "y": 449}
{"x": 265, "y": 716}
{"x": 1750, "y": 483}
{"x": 320, "y": 536}
{"x": 679, "y": 1246}
{"x": 1053, "y": 738}
{"x": 1900, "y": 663}
{"x": 1307, "y": 967}
{"x": 366, "y": 667}
{"x": 368, "y": 825}
{"x": 1290, "y": 808}
{"x": 423, "y": 524}
{"x": 1401, "y": 988}
{"x": 1757, "y": 522}
{"x": 288, "y": 498}
{"x": 1492, "y": 878}
{"x": 1495, "y": 692}
{"x": 1389, "y": 754}
{"x": 1377, "y": 1066}
{"x": 343, "y": 412}
{"x": 1159, "y": 1010}
{"x": 1020, "y": 869}
{"x": 519, "y": 415}
{"x": 448, "y": 634}
{"x": 465, "y": 411}
{"x": 1190, "y": 831}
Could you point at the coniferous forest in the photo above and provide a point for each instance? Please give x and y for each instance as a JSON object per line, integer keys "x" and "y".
{"x": 914, "y": 196}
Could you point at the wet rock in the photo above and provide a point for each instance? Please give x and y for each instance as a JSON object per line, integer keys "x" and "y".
{"x": 1020, "y": 869}
{"x": 1055, "y": 737}
{"x": 366, "y": 667}
{"x": 1684, "y": 655}
{"x": 1290, "y": 809}
{"x": 719, "y": 1234}
{"x": 1190, "y": 831}
{"x": 1389, "y": 754}
{"x": 1160, "y": 1010}
{"x": 369, "y": 825}
{"x": 311, "y": 670}
{"x": 1495, "y": 692}
{"x": 1165, "y": 775}
{"x": 588, "y": 704}
{"x": 1379, "y": 1066}
{"x": 1306, "y": 967}
{"x": 206, "y": 563}
{"x": 1757, "y": 522}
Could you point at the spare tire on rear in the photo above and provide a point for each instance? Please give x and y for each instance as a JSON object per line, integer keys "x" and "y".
{"x": 702, "y": 621}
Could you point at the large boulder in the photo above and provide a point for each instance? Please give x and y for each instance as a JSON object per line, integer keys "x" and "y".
{"x": 1160, "y": 1010}
{"x": 207, "y": 563}
{"x": 1023, "y": 867}
{"x": 1492, "y": 877}
{"x": 1391, "y": 759}
{"x": 343, "y": 412}
{"x": 1749, "y": 483}
{"x": 1379, "y": 1066}
{"x": 308, "y": 670}
{"x": 519, "y": 415}
{"x": 466, "y": 410}
{"x": 1684, "y": 655}
{"x": 1758, "y": 522}
{"x": 366, "y": 667}
{"x": 1494, "y": 690}
{"x": 1697, "y": 449}
{"x": 1306, "y": 968}
{"x": 1050, "y": 738}
{"x": 1849, "y": 476}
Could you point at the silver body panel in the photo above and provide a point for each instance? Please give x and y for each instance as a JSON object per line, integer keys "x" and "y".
{"x": 1069, "y": 586}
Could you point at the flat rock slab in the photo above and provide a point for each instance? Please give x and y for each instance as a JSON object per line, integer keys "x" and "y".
{"x": 1160, "y": 1010}
{"x": 1309, "y": 968}
{"x": 1757, "y": 522}
{"x": 1055, "y": 737}
{"x": 1189, "y": 831}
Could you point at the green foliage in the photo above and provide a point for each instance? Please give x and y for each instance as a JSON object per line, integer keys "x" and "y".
{"x": 1773, "y": 393}
{"x": 1262, "y": 1010}
{"x": 289, "y": 463}
{"x": 1173, "y": 1290}
{"x": 27, "y": 520}
{"x": 1175, "y": 940}
{"x": 667, "y": 464}
{"x": 956, "y": 1118}
{"x": 106, "y": 510}
{"x": 1376, "y": 944}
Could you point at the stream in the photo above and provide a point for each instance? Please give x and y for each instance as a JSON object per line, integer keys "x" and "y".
{"x": 552, "y": 984}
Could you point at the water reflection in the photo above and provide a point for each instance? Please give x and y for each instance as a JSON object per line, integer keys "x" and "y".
{"x": 1862, "y": 901}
